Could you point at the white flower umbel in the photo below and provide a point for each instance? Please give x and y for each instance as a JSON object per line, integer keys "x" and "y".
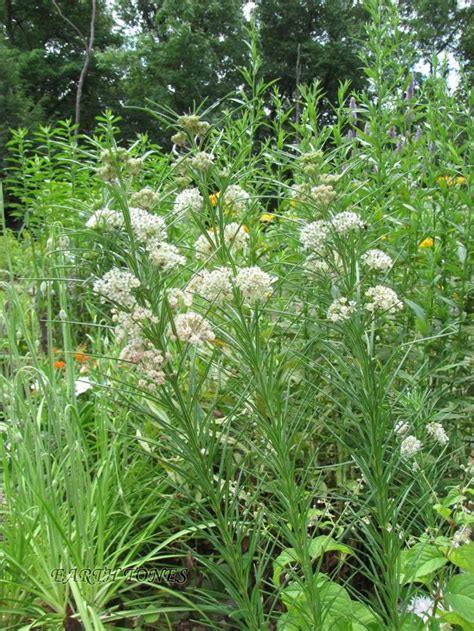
{"x": 437, "y": 431}
{"x": 165, "y": 256}
{"x": 213, "y": 286}
{"x": 188, "y": 200}
{"x": 105, "y": 219}
{"x": 254, "y": 283}
{"x": 147, "y": 228}
{"x": 462, "y": 536}
{"x": 236, "y": 236}
{"x": 401, "y": 428}
{"x": 314, "y": 235}
{"x": 202, "y": 161}
{"x": 235, "y": 199}
{"x": 377, "y": 260}
{"x": 148, "y": 362}
{"x": 193, "y": 329}
{"x": 347, "y": 222}
{"x": 323, "y": 194}
{"x": 117, "y": 285}
{"x": 383, "y": 299}
{"x": 410, "y": 446}
{"x": 341, "y": 310}
{"x": 422, "y": 606}
{"x": 235, "y": 239}
{"x": 178, "y": 298}
{"x": 146, "y": 198}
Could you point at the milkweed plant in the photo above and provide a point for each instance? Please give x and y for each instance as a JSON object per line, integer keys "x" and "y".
{"x": 245, "y": 358}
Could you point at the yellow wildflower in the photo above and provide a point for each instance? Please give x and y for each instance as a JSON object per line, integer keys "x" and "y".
{"x": 428, "y": 242}
{"x": 213, "y": 197}
{"x": 267, "y": 217}
{"x": 451, "y": 181}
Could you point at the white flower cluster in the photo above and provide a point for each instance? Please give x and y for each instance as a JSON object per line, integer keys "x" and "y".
{"x": 410, "y": 446}
{"x": 321, "y": 195}
{"x": 437, "y": 431}
{"x": 139, "y": 351}
{"x": 117, "y": 285}
{"x": 235, "y": 199}
{"x": 235, "y": 238}
{"x": 189, "y": 199}
{"x": 383, "y": 299}
{"x": 462, "y": 536}
{"x": 254, "y": 283}
{"x": 105, "y": 219}
{"x": 146, "y": 198}
{"x": 313, "y": 235}
{"x": 165, "y": 256}
{"x": 401, "y": 428}
{"x": 341, "y": 310}
{"x": 347, "y": 221}
{"x": 330, "y": 178}
{"x": 178, "y": 297}
{"x": 377, "y": 260}
{"x": 422, "y": 606}
{"x": 193, "y": 329}
{"x": 213, "y": 286}
{"x": 148, "y": 229}
{"x": 148, "y": 362}
{"x": 202, "y": 161}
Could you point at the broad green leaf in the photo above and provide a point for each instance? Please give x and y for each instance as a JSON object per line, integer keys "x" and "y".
{"x": 460, "y": 595}
{"x": 453, "y": 618}
{"x": 420, "y": 561}
{"x": 463, "y": 557}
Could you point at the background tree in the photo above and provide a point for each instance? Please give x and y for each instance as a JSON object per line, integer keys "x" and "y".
{"x": 311, "y": 39}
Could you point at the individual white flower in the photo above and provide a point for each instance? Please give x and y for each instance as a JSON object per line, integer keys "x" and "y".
{"x": 422, "y": 606}
{"x": 462, "y": 536}
{"x": 401, "y": 428}
{"x": 383, "y": 299}
{"x": 193, "y": 328}
{"x": 341, "y": 310}
{"x": 147, "y": 228}
{"x": 314, "y": 235}
{"x": 213, "y": 286}
{"x": 117, "y": 285}
{"x": 377, "y": 260}
{"x": 82, "y": 385}
{"x": 235, "y": 199}
{"x": 188, "y": 200}
{"x": 347, "y": 221}
{"x": 105, "y": 219}
{"x": 437, "y": 431}
{"x": 410, "y": 446}
{"x": 145, "y": 198}
{"x": 202, "y": 161}
{"x": 165, "y": 256}
{"x": 254, "y": 283}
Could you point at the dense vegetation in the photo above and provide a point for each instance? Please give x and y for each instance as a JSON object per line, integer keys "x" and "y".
{"x": 236, "y": 382}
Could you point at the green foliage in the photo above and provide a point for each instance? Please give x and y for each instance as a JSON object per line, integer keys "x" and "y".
{"x": 206, "y": 366}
